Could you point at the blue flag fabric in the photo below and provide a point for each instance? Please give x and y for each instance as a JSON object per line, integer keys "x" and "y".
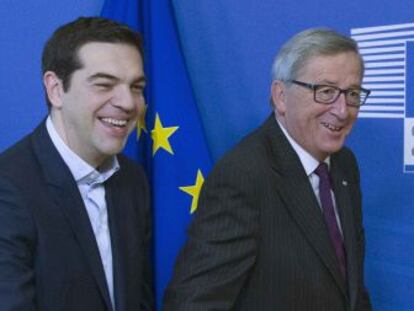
{"x": 170, "y": 140}
{"x": 125, "y": 11}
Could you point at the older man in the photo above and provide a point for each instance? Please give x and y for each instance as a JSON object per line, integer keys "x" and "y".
{"x": 279, "y": 220}
{"x": 74, "y": 214}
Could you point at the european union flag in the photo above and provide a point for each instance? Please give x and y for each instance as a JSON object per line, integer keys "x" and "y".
{"x": 170, "y": 139}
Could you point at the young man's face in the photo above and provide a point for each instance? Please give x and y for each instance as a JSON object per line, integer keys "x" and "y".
{"x": 101, "y": 106}
{"x": 320, "y": 129}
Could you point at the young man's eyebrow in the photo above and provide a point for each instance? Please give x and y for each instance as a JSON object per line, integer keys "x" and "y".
{"x": 101, "y": 75}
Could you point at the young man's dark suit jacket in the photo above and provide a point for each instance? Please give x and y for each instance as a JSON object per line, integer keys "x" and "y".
{"x": 49, "y": 259}
{"x": 258, "y": 240}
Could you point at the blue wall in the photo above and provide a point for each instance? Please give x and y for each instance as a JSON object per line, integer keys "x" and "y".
{"x": 25, "y": 26}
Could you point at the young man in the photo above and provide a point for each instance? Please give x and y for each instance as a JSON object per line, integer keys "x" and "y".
{"x": 74, "y": 213}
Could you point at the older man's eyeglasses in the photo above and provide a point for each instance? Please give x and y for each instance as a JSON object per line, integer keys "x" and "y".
{"x": 327, "y": 94}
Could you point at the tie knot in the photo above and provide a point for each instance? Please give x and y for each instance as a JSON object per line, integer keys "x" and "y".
{"x": 322, "y": 170}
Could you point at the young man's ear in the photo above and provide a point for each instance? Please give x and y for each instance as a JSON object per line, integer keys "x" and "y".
{"x": 54, "y": 88}
{"x": 278, "y": 90}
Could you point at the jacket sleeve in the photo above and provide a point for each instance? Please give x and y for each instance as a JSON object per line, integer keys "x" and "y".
{"x": 148, "y": 302}
{"x": 17, "y": 246}
{"x": 221, "y": 249}
{"x": 363, "y": 302}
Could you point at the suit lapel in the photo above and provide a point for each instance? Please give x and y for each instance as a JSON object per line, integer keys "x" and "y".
{"x": 342, "y": 189}
{"x": 66, "y": 195}
{"x": 300, "y": 201}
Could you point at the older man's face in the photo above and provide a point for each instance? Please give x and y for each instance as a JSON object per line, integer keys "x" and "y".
{"x": 319, "y": 128}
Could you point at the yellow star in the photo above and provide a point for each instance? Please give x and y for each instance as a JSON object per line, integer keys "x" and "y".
{"x": 194, "y": 190}
{"x": 160, "y": 136}
{"x": 141, "y": 123}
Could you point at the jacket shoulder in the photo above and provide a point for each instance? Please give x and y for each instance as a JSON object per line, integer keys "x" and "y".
{"x": 18, "y": 160}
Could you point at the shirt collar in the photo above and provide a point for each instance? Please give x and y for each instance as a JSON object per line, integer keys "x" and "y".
{"x": 309, "y": 163}
{"x": 80, "y": 169}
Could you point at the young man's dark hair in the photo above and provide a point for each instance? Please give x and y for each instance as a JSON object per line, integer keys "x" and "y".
{"x": 60, "y": 53}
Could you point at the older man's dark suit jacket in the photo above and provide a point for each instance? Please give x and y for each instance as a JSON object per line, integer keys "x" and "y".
{"x": 258, "y": 240}
{"x": 49, "y": 259}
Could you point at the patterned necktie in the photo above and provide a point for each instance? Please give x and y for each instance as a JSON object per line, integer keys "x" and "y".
{"x": 329, "y": 215}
